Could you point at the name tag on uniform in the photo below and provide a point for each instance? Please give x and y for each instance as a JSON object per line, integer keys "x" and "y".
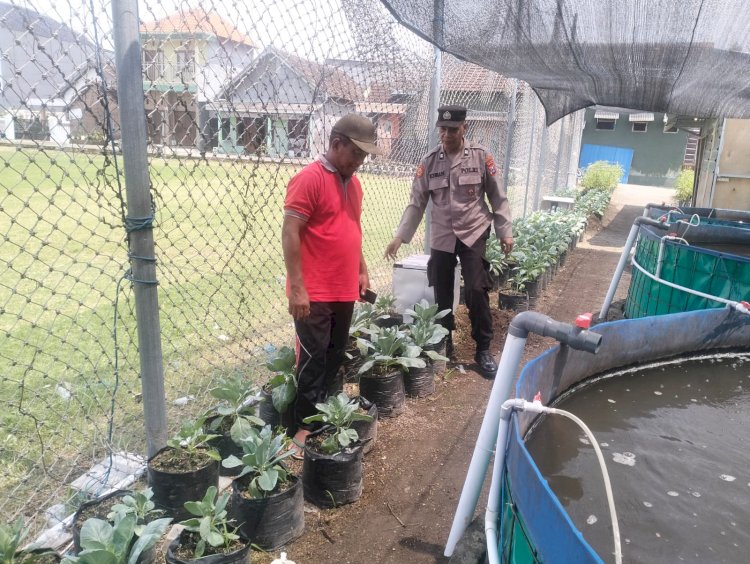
{"x": 436, "y": 174}
{"x": 470, "y": 169}
{"x": 470, "y": 179}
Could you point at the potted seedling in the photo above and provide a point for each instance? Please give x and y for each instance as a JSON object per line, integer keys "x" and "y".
{"x": 209, "y": 536}
{"x": 513, "y": 295}
{"x": 332, "y": 468}
{"x": 117, "y": 543}
{"x": 428, "y": 315}
{"x": 425, "y": 335}
{"x": 184, "y": 469}
{"x": 385, "y": 312}
{"x": 267, "y": 499}
{"x": 498, "y": 262}
{"x": 362, "y": 318}
{"x": 387, "y": 354}
{"x": 117, "y": 503}
{"x": 12, "y": 550}
{"x": 233, "y": 416}
{"x": 281, "y": 389}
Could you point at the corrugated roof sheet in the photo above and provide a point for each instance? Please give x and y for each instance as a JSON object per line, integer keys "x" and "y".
{"x": 601, "y": 114}
{"x": 642, "y": 116}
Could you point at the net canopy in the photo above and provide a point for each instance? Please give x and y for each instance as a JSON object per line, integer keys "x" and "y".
{"x": 689, "y": 58}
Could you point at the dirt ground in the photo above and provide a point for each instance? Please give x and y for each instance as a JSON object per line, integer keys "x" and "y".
{"x": 414, "y": 475}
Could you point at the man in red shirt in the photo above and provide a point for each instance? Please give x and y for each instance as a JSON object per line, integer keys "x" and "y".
{"x": 326, "y": 270}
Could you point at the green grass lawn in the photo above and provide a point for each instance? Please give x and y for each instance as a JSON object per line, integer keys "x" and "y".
{"x": 221, "y": 293}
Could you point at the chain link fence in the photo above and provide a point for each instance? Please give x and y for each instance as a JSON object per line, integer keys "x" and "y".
{"x": 237, "y": 98}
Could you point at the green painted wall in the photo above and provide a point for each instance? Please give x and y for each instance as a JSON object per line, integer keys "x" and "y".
{"x": 657, "y": 156}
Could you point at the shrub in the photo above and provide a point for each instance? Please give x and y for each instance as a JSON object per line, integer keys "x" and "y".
{"x": 683, "y": 185}
{"x": 601, "y": 175}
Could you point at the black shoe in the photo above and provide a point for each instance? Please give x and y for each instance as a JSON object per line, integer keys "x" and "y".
{"x": 487, "y": 365}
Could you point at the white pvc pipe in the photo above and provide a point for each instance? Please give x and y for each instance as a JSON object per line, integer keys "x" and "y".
{"x": 480, "y": 459}
{"x": 492, "y": 514}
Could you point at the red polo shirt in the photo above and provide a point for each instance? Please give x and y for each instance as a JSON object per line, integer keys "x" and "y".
{"x": 331, "y": 241}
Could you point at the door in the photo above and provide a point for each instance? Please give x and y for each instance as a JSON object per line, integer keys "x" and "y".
{"x": 617, "y": 155}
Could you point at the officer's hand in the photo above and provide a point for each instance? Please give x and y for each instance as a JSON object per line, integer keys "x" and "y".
{"x": 392, "y": 248}
{"x": 506, "y": 244}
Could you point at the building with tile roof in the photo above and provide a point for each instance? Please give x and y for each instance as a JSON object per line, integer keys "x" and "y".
{"x": 188, "y": 57}
{"x": 284, "y": 105}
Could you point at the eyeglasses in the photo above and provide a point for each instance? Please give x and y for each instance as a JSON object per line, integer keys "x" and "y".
{"x": 358, "y": 153}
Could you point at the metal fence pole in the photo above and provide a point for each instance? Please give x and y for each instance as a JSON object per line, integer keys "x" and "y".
{"x": 511, "y": 125}
{"x": 531, "y": 152}
{"x": 542, "y": 164}
{"x": 560, "y": 145}
{"x": 140, "y": 216}
{"x": 432, "y": 106}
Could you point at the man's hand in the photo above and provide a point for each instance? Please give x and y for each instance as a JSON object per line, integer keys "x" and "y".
{"x": 506, "y": 244}
{"x": 299, "y": 302}
{"x": 392, "y": 248}
{"x": 364, "y": 283}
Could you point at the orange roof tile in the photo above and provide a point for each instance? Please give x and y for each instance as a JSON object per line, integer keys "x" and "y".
{"x": 197, "y": 21}
{"x": 462, "y": 76}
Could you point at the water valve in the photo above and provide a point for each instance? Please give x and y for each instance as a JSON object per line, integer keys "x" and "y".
{"x": 583, "y": 321}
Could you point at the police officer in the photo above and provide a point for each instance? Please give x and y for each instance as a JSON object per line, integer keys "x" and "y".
{"x": 459, "y": 177}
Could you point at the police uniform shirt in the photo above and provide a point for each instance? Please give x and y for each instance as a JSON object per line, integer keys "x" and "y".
{"x": 459, "y": 206}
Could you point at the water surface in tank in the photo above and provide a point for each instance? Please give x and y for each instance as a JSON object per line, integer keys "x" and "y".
{"x": 676, "y": 442}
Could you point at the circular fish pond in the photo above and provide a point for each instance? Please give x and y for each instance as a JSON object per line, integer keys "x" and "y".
{"x": 675, "y": 440}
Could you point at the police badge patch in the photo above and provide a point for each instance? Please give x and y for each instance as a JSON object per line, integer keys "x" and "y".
{"x": 420, "y": 171}
{"x": 490, "y": 162}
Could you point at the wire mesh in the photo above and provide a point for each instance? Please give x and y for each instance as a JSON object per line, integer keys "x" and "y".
{"x": 237, "y": 98}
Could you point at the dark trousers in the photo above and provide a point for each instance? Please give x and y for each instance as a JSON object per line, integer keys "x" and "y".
{"x": 475, "y": 271}
{"x": 321, "y": 341}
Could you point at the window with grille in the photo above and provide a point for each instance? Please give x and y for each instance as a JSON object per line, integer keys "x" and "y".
{"x": 153, "y": 65}
{"x": 185, "y": 71}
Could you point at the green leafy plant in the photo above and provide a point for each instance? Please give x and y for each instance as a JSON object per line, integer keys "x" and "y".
{"x": 138, "y": 504}
{"x": 530, "y": 264}
{"x": 426, "y": 313}
{"x": 193, "y": 439}
{"x": 385, "y": 306}
{"x": 105, "y": 543}
{"x": 601, "y": 175}
{"x": 683, "y": 185}
{"x": 210, "y": 522}
{"x": 283, "y": 385}
{"x": 386, "y": 349}
{"x": 338, "y": 412}
{"x": 12, "y": 537}
{"x": 362, "y": 318}
{"x": 425, "y": 334}
{"x": 234, "y": 413}
{"x": 262, "y": 460}
{"x": 495, "y": 256}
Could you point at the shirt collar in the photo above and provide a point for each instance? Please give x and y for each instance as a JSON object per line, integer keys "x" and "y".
{"x": 327, "y": 164}
{"x": 330, "y": 168}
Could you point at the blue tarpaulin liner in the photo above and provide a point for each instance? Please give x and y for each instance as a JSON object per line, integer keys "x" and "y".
{"x": 689, "y": 58}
